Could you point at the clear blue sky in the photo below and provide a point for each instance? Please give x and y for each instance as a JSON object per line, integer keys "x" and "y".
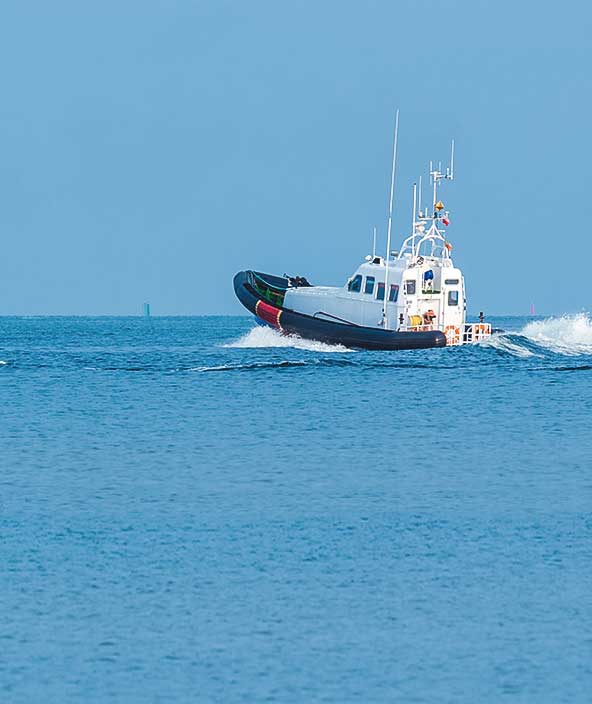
{"x": 148, "y": 150}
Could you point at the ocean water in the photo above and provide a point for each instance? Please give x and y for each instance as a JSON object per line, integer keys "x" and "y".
{"x": 201, "y": 510}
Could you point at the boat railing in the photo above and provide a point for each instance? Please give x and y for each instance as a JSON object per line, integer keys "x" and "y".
{"x": 320, "y": 313}
{"x": 456, "y": 334}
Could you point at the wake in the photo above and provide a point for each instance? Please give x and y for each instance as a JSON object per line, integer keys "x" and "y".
{"x": 569, "y": 335}
{"x": 268, "y": 337}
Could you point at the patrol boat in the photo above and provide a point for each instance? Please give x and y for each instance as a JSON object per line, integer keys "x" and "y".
{"x": 411, "y": 298}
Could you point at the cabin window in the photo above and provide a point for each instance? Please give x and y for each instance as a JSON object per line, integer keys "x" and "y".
{"x": 380, "y": 291}
{"x": 410, "y": 287}
{"x": 394, "y": 293}
{"x": 369, "y": 288}
{"x": 451, "y": 282}
{"x": 452, "y": 298}
{"x": 355, "y": 285}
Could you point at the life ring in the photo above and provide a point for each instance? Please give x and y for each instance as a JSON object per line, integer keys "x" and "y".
{"x": 452, "y": 335}
{"x": 480, "y": 331}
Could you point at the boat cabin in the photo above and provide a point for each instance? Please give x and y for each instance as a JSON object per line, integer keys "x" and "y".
{"x": 417, "y": 288}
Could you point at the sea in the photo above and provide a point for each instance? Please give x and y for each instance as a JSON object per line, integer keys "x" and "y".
{"x": 198, "y": 509}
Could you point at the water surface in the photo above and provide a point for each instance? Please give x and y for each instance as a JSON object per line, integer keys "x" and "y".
{"x": 198, "y": 509}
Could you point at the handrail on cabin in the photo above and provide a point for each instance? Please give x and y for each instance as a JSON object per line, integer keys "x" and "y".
{"x": 335, "y": 317}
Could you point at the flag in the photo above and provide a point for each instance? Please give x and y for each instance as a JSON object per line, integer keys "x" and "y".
{"x": 445, "y": 221}
{"x": 448, "y": 246}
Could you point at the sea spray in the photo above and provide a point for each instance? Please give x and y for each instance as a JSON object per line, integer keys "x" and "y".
{"x": 569, "y": 334}
{"x": 261, "y": 336}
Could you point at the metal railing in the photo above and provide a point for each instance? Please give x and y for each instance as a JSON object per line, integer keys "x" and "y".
{"x": 456, "y": 334}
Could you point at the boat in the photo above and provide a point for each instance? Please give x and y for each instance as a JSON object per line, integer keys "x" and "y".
{"x": 412, "y": 298}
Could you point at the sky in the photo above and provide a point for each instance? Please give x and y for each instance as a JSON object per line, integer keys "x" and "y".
{"x": 149, "y": 150}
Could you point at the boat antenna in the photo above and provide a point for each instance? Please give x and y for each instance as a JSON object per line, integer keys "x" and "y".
{"x": 374, "y": 244}
{"x": 414, "y": 218}
{"x": 390, "y": 221}
{"x": 452, "y": 160}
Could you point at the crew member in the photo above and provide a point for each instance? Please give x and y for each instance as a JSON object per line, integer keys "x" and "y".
{"x": 428, "y": 318}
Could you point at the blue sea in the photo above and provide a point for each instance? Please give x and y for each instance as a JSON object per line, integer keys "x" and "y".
{"x": 201, "y": 510}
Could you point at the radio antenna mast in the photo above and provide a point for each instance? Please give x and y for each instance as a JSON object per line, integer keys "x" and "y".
{"x": 452, "y": 160}
{"x": 414, "y": 219}
{"x": 374, "y": 244}
{"x": 390, "y": 220}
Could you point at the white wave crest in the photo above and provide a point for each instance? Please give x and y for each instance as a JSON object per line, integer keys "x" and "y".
{"x": 261, "y": 336}
{"x": 569, "y": 334}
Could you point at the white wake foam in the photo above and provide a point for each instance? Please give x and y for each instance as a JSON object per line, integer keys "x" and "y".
{"x": 569, "y": 334}
{"x": 261, "y": 336}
